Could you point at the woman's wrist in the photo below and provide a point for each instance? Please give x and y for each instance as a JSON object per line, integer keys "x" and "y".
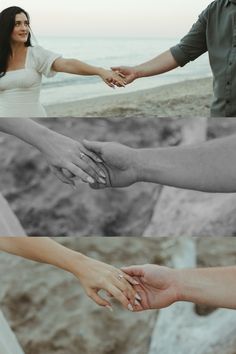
{"x": 71, "y": 261}
{"x": 99, "y": 71}
{"x": 44, "y": 141}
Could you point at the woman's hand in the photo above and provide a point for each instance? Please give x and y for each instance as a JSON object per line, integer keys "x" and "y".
{"x": 69, "y": 160}
{"x": 112, "y": 78}
{"x": 75, "y": 66}
{"x": 95, "y": 276}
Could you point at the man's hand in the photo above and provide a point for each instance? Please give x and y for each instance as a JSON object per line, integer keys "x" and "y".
{"x": 157, "y": 285}
{"x": 128, "y": 72}
{"x": 119, "y": 161}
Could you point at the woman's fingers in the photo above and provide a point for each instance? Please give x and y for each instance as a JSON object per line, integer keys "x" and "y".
{"x": 118, "y": 81}
{"x": 61, "y": 176}
{"x": 119, "y": 295}
{"x": 89, "y": 153}
{"x": 98, "y": 299}
{"x": 90, "y": 167}
{"x": 78, "y": 172}
{"x": 124, "y": 285}
{"x": 131, "y": 280}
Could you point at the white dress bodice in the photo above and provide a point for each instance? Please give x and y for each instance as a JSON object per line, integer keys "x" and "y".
{"x": 20, "y": 89}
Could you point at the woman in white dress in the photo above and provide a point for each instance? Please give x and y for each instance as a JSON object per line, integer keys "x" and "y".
{"x": 22, "y": 67}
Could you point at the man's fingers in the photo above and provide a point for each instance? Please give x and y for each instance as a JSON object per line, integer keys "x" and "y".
{"x": 116, "y": 68}
{"x": 95, "y": 146}
{"x": 133, "y": 271}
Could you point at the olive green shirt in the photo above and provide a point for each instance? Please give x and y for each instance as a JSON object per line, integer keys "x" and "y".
{"x": 215, "y": 32}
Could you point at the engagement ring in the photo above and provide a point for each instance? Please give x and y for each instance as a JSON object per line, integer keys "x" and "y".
{"x": 82, "y": 155}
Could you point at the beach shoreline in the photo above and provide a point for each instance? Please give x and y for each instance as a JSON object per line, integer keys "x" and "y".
{"x": 191, "y": 98}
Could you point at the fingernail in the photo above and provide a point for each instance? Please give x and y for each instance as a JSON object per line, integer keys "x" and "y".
{"x": 102, "y": 174}
{"x": 90, "y": 180}
{"x": 138, "y": 297}
{"x": 130, "y": 307}
{"x": 102, "y": 180}
{"x": 136, "y": 303}
{"x": 109, "y": 308}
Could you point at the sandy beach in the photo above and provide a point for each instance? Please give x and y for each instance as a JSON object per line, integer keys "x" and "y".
{"x": 185, "y": 99}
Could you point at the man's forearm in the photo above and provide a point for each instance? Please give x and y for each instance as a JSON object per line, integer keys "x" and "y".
{"x": 210, "y": 286}
{"x": 158, "y": 65}
{"x": 209, "y": 167}
{"x": 42, "y": 249}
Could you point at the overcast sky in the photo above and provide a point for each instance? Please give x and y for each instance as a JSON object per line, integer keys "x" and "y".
{"x": 133, "y": 18}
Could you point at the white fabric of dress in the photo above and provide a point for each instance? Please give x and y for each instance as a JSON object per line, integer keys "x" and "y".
{"x": 8, "y": 341}
{"x": 20, "y": 89}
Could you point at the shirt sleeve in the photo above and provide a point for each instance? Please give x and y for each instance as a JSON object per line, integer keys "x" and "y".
{"x": 44, "y": 60}
{"x": 194, "y": 43}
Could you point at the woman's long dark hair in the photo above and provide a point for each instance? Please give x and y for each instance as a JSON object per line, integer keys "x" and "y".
{"x": 7, "y": 23}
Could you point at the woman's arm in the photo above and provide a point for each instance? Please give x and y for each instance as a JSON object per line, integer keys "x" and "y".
{"x": 160, "y": 286}
{"x": 92, "y": 274}
{"x": 60, "y": 151}
{"x": 74, "y": 66}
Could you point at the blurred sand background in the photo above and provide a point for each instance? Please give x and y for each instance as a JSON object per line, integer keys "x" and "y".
{"x": 45, "y": 206}
{"x": 49, "y": 312}
{"x": 190, "y": 98}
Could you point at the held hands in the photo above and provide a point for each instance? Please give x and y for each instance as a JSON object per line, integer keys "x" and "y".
{"x": 118, "y": 161}
{"x": 128, "y": 72}
{"x": 69, "y": 159}
{"x": 111, "y": 78}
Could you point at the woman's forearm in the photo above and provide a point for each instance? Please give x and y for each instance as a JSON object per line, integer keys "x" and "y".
{"x": 209, "y": 167}
{"x": 41, "y": 249}
{"x": 210, "y": 286}
{"x": 27, "y": 130}
{"x": 75, "y": 66}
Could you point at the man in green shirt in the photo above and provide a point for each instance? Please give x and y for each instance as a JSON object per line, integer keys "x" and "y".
{"x": 215, "y": 32}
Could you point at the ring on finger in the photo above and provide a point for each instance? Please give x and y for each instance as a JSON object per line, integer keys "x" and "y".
{"x": 120, "y": 276}
{"x": 82, "y": 156}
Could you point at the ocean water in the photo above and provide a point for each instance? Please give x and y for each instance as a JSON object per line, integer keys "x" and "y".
{"x": 107, "y": 52}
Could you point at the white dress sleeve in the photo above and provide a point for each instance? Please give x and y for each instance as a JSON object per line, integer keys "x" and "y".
{"x": 43, "y": 60}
